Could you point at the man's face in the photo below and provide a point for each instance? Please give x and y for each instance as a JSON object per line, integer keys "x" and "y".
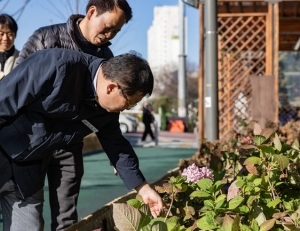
{"x": 122, "y": 102}
{"x": 112, "y": 98}
{"x": 104, "y": 27}
{"x": 7, "y": 38}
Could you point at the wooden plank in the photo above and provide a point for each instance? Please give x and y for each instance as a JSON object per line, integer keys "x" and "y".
{"x": 269, "y": 41}
{"x": 263, "y": 107}
{"x": 276, "y": 60}
{"x": 289, "y": 24}
{"x": 242, "y": 14}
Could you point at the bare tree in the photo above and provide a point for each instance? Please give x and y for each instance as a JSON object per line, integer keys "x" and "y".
{"x": 165, "y": 91}
{"x": 18, "y": 13}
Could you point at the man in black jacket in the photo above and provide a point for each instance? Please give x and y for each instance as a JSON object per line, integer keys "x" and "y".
{"x": 55, "y": 98}
{"x": 90, "y": 34}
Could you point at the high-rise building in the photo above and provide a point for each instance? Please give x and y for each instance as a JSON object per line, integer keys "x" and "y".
{"x": 163, "y": 37}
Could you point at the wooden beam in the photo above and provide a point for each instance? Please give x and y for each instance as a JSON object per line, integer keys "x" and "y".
{"x": 289, "y": 24}
{"x": 296, "y": 9}
{"x": 286, "y": 9}
{"x": 227, "y": 7}
{"x": 269, "y": 42}
{"x": 241, "y": 7}
{"x": 286, "y": 47}
{"x": 276, "y": 57}
{"x": 246, "y": 9}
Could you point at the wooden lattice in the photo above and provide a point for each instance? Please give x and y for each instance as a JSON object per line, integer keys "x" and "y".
{"x": 242, "y": 54}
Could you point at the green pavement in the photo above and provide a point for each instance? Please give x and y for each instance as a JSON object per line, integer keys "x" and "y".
{"x": 100, "y": 186}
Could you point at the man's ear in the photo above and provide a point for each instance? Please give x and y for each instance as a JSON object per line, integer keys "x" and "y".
{"x": 111, "y": 87}
{"x": 92, "y": 10}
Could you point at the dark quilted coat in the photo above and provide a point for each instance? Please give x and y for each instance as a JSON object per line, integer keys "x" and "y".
{"x": 61, "y": 36}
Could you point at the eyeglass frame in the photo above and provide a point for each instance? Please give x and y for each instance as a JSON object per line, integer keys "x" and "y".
{"x": 127, "y": 100}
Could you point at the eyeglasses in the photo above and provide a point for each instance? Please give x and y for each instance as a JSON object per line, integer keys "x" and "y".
{"x": 129, "y": 105}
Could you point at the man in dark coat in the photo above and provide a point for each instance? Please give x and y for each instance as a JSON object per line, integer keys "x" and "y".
{"x": 55, "y": 98}
{"x": 90, "y": 34}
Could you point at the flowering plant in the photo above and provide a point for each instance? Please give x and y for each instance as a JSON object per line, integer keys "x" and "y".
{"x": 261, "y": 193}
{"x": 194, "y": 173}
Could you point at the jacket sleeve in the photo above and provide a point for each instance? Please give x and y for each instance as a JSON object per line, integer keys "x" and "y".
{"x": 121, "y": 154}
{"x": 21, "y": 87}
{"x": 34, "y": 43}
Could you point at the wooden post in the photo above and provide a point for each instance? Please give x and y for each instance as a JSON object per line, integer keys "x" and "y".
{"x": 269, "y": 41}
{"x": 272, "y": 53}
{"x": 276, "y": 58}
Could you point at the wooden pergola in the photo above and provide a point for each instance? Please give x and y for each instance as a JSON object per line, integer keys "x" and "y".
{"x": 250, "y": 35}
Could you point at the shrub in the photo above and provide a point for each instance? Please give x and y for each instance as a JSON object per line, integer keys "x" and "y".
{"x": 254, "y": 188}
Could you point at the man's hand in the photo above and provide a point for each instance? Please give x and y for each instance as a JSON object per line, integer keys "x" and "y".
{"x": 151, "y": 198}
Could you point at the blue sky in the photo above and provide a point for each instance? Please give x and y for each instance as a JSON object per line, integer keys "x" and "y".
{"x": 133, "y": 36}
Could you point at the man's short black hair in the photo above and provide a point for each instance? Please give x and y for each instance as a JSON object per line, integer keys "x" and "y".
{"x": 109, "y": 5}
{"x": 6, "y": 19}
{"x": 132, "y": 73}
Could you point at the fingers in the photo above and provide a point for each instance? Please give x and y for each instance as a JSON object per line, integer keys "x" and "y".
{"x": 115, "y": 172}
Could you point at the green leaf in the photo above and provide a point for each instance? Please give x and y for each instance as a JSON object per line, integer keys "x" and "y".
{"x": 205, "y": 183}
{"x": 257, "y": 181}
{"x": 282, "y": 161}
{"x": 200, "y": 194}
{"x": 255, "y": 226}
{"x": 220, "y": 198}
{"x": 158, "y": 224}
{"x": 207, "y": 222}
{"x": 236, "y": 223}
{"x": 277, "y": 142}
{"x": 245, "y": 228}
{"x": 219, "y": 184}
{"x": 288, "y": 205}
{"x": 209, "y": 203}
{"x": 243, "y": 209}
{"x": 235, "y": 202}
{"x": 267, "y": 225}
{"x": 135, "y": 203}
{"x": 252, "y": 160}
{"x": 295, "y": 145}
{"x": 239, "y": 183}
{"x": 172, "y": 222}
{"x": 126, "y": 217}
{"x": 266, "y": 149}
{"x": 274, "y": 203}
{"x": 259, "y": 139}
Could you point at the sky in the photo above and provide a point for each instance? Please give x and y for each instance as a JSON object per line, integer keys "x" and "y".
{"x": 133, "y": 36}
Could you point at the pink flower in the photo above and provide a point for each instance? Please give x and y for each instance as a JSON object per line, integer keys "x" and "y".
{"x": 193, "y": 173}
{"x": 247, "y": 140}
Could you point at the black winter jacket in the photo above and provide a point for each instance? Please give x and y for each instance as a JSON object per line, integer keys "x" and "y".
{"x": 47, "y": 102}
{"x": 59, "y": 36}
